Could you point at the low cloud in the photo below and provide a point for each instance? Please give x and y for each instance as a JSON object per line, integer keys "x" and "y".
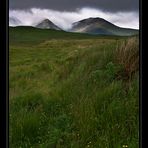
{"x": 64, "y": 19}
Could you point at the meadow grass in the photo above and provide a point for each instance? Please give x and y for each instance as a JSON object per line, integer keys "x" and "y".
{"x": 69, "y": 91}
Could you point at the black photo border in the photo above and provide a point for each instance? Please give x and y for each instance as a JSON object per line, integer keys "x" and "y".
{"x": 4, "y": 74}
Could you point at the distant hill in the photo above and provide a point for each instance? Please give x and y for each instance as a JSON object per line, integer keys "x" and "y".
{"x": 102, "y": 27}
{"x": 31, "y": 35}
{"x": 47, "y": 24}
{"x": 13, "y": 21}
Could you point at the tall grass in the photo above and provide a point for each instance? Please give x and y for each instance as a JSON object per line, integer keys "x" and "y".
{"x": 127, "y": 55}
{"x": 66, "y": 94}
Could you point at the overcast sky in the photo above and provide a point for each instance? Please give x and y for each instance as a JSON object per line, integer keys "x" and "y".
{"x": 71, "y": 5}
{"x": 124, "y": 13}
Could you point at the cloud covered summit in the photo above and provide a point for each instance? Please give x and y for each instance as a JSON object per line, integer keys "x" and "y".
{"x": 64, "y": 19}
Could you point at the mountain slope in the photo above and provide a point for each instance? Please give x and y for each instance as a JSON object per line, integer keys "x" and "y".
{"x": 31, "y": 35}
{"x": 13, "y": 21}
{"x": 47, "y": 24}
{"x": 101, "y": 26}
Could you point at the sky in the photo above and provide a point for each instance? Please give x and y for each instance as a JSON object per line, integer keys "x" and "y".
{"x": 124, "y": 13}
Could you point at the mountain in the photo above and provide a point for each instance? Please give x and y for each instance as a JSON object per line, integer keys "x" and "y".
{"x": 13, "y": 21}
{"x": 102, "y": 27}
{"x": 47, "y": 24}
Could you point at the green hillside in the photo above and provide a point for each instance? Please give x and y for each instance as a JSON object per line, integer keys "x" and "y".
{"x": 71, "y": 90}
{"x": 31, "y": 35}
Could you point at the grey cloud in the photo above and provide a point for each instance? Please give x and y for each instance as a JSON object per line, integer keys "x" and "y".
{"x": 71, "y": 5}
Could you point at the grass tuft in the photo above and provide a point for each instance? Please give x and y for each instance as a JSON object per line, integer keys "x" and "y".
{"x": 127, "y": 55}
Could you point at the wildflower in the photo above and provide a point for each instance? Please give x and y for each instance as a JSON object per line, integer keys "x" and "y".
{"x": 125, "y": 146}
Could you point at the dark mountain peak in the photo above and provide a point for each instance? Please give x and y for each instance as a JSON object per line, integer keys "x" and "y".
{"x": 46, "y": 21}
{"x": 97, "y": 21}
{"x": 100, "y": 26}
{"x": 91, "y": 20}
{"x": 47, "y": 24}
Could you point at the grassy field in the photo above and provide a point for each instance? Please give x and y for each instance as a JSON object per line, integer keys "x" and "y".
{"x": 70, "y": 90}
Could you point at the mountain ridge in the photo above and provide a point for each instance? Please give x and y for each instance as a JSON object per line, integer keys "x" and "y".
{"x": 95, "y": 26}
{"x": 101, "y": 26}
{"x": 47, "y": 24}
{"x": 14, "y": 21}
